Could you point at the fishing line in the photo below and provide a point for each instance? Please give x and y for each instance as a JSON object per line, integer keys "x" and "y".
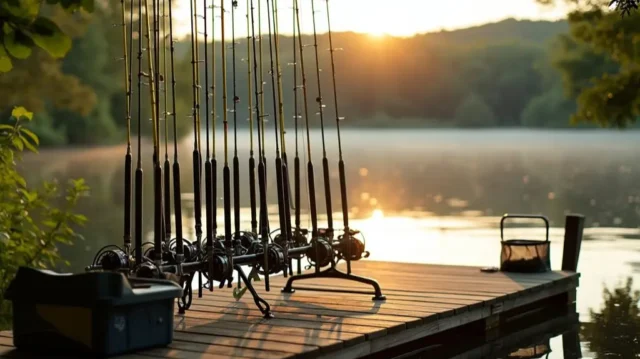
{"x": 325, "y": 162}
{"x": 264, "y": 227}
{"x": 310, "y": 172}
{"x": 252, "y": 162}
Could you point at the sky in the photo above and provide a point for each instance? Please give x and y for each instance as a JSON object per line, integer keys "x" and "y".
{"x": 374, "y": 17}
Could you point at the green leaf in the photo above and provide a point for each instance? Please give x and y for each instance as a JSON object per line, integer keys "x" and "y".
{"x": 17, "y": 142}
{"x": 19, "y": 112}
{"x": 5, "y": 61}
{"x": 24, "y": 10}
{"x": 28, "y": 144}
{"x": 6, "y": 127}
{"x": 47, "y": 35}
{"x": 17, "y": 44}
{"x": 33, "y": 136}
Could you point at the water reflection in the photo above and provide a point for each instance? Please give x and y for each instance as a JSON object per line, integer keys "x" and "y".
{"x": 614, "y": 330}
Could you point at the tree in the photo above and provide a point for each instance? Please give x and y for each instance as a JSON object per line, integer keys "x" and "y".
{"x": 474, "y": 112}
{"x": 550, "y": 109}
{"x": 607, "y": 90}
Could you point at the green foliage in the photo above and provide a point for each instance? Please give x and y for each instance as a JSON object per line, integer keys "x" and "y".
{"x": 615, "y": 330}
{"x": 474, "y": 112}
{"x": 549, "y": 109}
{"x": 31, "y": 224}
{"x": 22, "y": 28}
{"x": 610, "y": 97}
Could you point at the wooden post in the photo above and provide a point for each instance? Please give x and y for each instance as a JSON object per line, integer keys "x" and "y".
{"x": 571, "y": 345}
{"x": 573, "y": 229}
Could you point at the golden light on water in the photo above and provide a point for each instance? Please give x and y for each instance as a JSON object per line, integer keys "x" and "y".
{"x": 377, "y": 214}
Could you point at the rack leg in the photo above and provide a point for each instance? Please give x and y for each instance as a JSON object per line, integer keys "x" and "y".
{"x": 264, "y": 307}
{"x": 334, "y": 273}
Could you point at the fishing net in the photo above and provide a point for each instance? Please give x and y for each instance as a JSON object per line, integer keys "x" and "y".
{"x": 525, "y": 255}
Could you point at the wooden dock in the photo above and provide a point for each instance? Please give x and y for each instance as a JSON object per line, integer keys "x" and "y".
{"x": 424, "y": 303}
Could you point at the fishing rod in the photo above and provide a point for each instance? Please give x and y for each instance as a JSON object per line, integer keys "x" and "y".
{"x": 310, "y": 171}
{"x": 324, "y": 249}
{"x": 348, "y": 233}
{"x": 276, "y": 111}
{"x": 167, "y": 164}
{"x": 259, "y": 89}
{"x": 236, "y": 100}
{"x": 285, "y": 232}
{"x": 128, "y": 157}
{"x": 177, "y": 198}
{"x": 299, "y": 236}
{"x": 197, "y": 159}
{"x": 208, "y": 169}
{"x": 252, "y": 161}
{"x": 157, "y": 170}
{"x": 214, "y": 116}
{"x": 261, "y": 119}
{"x": 319, "y": 100}
{"x": 139, "y": 174}
{"x": 226, "y": 180}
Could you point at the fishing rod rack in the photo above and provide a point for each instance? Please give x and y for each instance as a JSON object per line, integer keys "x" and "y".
{"x": 209, "y": 257}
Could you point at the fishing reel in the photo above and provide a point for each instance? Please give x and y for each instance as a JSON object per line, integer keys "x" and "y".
{"x": 275, "y": 257}
{"x": 243, "y": 242}
{"x": 111, "y": 258}
{"x": 324, "y": 250}
{"x": 189, "y": 250}
{"x": 222, "y": 268}
{"x": 349, "y": 245}
{"x": 299, "y": 239}
{"x": 148, "y": 270}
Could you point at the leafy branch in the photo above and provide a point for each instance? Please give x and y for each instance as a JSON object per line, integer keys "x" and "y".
{"x": 31, "y": 224}
{"x": 22, "y": 28}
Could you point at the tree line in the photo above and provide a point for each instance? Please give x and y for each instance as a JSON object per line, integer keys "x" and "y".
{"x": 531, "y": 74}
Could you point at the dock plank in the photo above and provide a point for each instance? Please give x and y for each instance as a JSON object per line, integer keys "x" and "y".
{"x": 422, "y": 300}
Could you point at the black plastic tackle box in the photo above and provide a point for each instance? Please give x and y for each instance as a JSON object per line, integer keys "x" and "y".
{"x": 97, "y": 314}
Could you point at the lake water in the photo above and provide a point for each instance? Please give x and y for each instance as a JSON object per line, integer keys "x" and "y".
{"x": 427, "y": 196}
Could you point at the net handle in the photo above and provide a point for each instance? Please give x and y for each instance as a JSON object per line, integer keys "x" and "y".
{"x": 530, "y": 216}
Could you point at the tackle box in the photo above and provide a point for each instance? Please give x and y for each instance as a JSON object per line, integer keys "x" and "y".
{"x": 98, "y": 314}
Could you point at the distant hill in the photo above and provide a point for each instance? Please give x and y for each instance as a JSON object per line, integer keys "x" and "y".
{"x": 505, "y": 31}
{"x": 509, "y": 30}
